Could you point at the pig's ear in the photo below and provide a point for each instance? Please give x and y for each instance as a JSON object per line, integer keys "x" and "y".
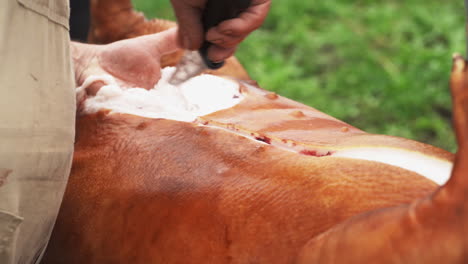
{"x": 113, "y": 20}
{"x": 429, "y": 230}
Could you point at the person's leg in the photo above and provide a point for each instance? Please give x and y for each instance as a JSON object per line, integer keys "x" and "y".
{"x": 37, "y": 112}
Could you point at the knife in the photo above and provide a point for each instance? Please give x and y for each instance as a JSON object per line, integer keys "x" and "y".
{"x": 195, "y": 62}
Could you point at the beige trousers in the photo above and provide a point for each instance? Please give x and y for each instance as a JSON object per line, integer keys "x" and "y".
{"x": 37, "y": 117}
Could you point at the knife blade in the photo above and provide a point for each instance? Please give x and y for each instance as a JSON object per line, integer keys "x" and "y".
{"x": 195, "y": 62}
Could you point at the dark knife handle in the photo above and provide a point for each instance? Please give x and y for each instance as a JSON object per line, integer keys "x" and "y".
{"x": 214, "y": 13}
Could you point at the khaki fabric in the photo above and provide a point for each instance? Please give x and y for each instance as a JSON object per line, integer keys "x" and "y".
{"x": 37, "y": 117}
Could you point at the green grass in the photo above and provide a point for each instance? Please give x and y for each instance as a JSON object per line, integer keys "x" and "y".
{"x": 382, "y": 66}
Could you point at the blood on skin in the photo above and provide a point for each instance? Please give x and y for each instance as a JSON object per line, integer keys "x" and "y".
{"x": 264, "y": 139}
{"x": 315, "y": 153}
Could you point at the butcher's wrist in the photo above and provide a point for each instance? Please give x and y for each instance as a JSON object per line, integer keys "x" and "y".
{"x": 82, "y": 55}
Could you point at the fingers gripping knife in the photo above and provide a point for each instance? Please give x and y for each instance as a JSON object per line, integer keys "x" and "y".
{"x": 195, "y": 62}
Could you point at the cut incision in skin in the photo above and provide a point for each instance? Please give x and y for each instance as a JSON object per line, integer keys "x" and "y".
{"x": 206, "y": 94}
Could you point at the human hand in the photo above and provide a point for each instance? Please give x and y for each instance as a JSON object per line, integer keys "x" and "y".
{"x": 225, "y": 36}
{"x": 132, "y": 62}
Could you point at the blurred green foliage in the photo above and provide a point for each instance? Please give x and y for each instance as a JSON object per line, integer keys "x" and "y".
{"x": 382, "y": 66}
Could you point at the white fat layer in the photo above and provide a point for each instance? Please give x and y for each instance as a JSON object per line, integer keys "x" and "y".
{"x": 437, "y": 170}
{"x": 206, "y": 94}
{"x": 198, "y": 96}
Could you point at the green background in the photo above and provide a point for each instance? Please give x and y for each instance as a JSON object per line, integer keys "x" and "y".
{"x": 382, "y": 66}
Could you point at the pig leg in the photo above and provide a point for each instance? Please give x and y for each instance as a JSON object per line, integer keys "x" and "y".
{"x": 430, "y": 230}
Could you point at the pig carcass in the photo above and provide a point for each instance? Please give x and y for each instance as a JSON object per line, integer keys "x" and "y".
{"x": 256, "y": 178}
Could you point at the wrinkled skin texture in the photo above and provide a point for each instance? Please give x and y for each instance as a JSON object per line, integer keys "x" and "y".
{"x": 133, "y": 62}
{"x": 160, "y": 191}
